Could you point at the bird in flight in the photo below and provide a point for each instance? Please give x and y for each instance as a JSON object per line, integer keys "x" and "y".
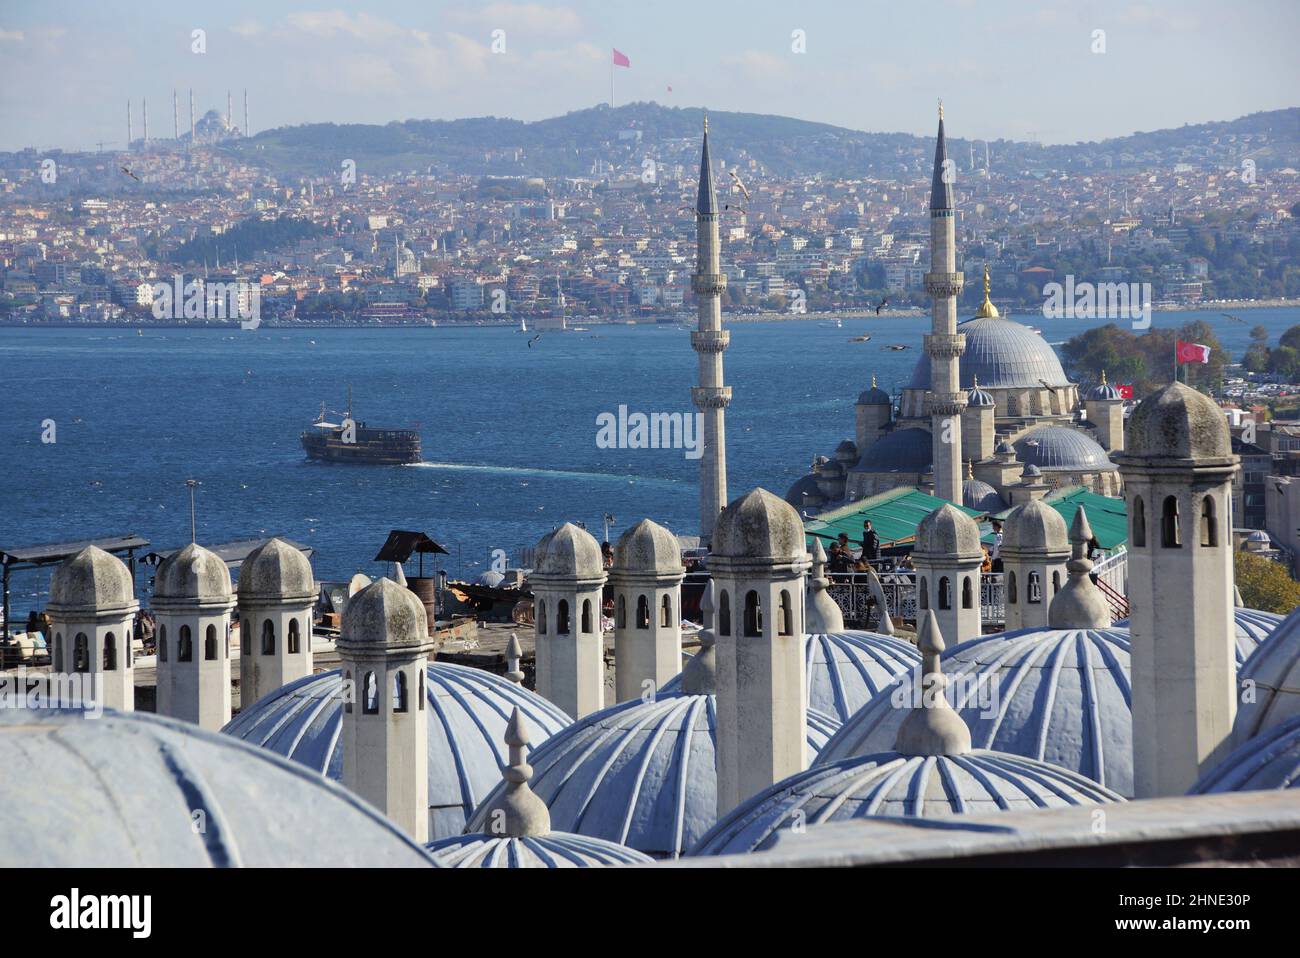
{"x": 533, "y": 340}
{"x": 884, "y": 302}
{"x": 739, "y": 185}
{"x": 130, "y": 174}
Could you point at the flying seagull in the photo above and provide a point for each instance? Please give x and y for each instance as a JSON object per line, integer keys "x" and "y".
{"x": 882, "y": 305}
{"x": 533, "y": 340}
{"x": 739, "y": 184}
{"x": 130, "y": 174}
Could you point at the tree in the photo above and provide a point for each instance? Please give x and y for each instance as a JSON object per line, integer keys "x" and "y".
{"x": 1264, "y": 584}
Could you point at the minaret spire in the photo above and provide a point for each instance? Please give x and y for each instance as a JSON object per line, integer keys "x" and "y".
{"x": 711, "y": 397}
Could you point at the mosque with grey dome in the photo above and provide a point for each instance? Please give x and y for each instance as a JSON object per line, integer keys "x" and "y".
{"x": 781, "y": 725}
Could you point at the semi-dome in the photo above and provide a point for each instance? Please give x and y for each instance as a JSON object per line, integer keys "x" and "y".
{"x": 892, "y": 784}
{"x": 901, "y": 450}
{"x": 556, "y": 850}
{"x": 91, "y": 581}
{"x": 276, "y": 571}
{"x": 126, "y": 789}
{"x": 467, "y": 711}
{"x": 641, "y": 774}
{"x": 569, "y": 552}
{"x": 845, "y": 670}
{"x": 1000, "y": 354}
{"x": 648, "y": 549}
{"x": 1177, "y": 422}
{"x": 1062, "y": 449}
{"x": 979, "y": 495}
{"x": 947, "y": 531}
{"x": 759, "y": 524}
{"x": 1062, "y": 696}
{"x": 193, "y": 574}
{"x": 1034, "y": 526}
{"x": 1267, "y": 761}
{"x": 384, "y": 614}
{"x": 1269, "y": 682}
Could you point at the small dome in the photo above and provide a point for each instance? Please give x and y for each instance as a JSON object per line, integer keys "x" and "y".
{"x": 832, "y": 470}
{"x": 846, "y": 452}
{"x": 888, "y": 783}
{"x": 1105, "y": 392}
{"x": 556, "y": 850}
{"x": 978, "y": 397}
{"x": 875, "y": 396}
{"x": 1000, "y": 354}
{"x": 467, "y": 708}
{"x": 1055, "y": 695}
{"x": 276, "y": 572}
{"x": 845, "y": 670}
{"x": 91, "y": 581}
{"x": 64, "y": 775}
{"x": 490, "y": 578}
{"x": 1269, "y": 760}
{"x": 1273, "y": 675}
{"x": 192, "y": 574}
{"x": 648, "y": 548}
{"x": 805, "y": 492}
{"x": 569, "y": 553}
{"x": 759, "y": 525}
{"x": 1062, "y": 449}
{"x": 384, "y": 614}
{"x": 1034, "y": 526}
{"x": 902, "y": 450}
{"x": 1177, "y": 422}
{"x": 979, "y": 495}
{"x": 1030, "y": 472}
{"x": 948, "y": 532}
{"x": 641, "y": 774}
{"x": 1004, "y": 448}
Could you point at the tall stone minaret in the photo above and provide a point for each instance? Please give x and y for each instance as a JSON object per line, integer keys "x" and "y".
{"x": 711, "y": 397}
{"x": 944, "y": 345}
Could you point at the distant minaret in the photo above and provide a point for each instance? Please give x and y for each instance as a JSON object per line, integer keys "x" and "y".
{"x": 230, "y": 112}
{"x": 191, "y": 117}
{"x": 176, "y": 118}
{"x": 128, "y": 124}
{"x": 246, "y": 133}
{"x": 144, "y": 109}
{"x": 944, "y": 345}
{"x": 711, "y": 397}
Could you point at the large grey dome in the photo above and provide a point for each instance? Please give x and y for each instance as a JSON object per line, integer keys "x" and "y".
{"x": 89, "y": 582}
{"x": 1272, "y": 677}
{"x": 1269, "y": 760}
{"x": 1057, "y": 695}
{"x": 192, "y": 574}
{"x": 1000, "y": 354}
{"x": 556, "y": 850}
{"x": 1062, "y": 449}
{"x": 804, "y": 488}
{"x": 1253, "y": 628}
{"x": 126, "y": 790}
{"x": 902, "y": 450}
{"x": 276, "y": 572}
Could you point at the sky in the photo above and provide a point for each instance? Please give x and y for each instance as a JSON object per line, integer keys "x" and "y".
{"x": 1020, "y": 69}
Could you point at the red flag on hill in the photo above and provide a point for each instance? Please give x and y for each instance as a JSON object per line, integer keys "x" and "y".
{"x": 621, "y": 60}
{"x": 1125, "y": 392}
{"x": 1193, "y": 353}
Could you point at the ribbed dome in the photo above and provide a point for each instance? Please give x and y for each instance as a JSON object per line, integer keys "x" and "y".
{"x": 1267, "y": 761}
{"x": 979, "y": 495}
{"x": 902, "y": 450}
{"x": 192, "y": 574}
{"x": 845, "y": 670}
{"x": 641, "y": 774}
{"x": 1105, "y": 392}
{"x": 468, "y": 710}
{"x": 569, "y": 552}
{"x": 122, "y": 792}
{"x": 91, "y": 581}
{"x": 947, "y": 532}
{"x": 900, "y": 785}
{"x": 556, "y": 850}
{"x": 1252, "y": 628}
{"x": 276, "y": 571}
{"x": 1062, "y": 696}
{"x": 978, "y": 397}
{"x": 1000, "y": 354}
{"x": 648, "y": 548}
{"x": 1062, "y": 449}
{"x": 1272, "y": 674}
{"x": 759, "y": 524}
{"x": 1177, "y": 422}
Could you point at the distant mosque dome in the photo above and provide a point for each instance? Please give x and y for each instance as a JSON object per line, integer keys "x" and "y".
{"x": 467, "y": 711}
{"x": 979, "y": 495}
{"x": 901, "y": 450}
{"x": 892, "y": 784}
{"x": 490, "y": 578}
{"x": 556, "y": 850}
{"x": 804, "y": 492}
{"x": 845, "y": 671}
{"x": 1000, "y": 354}
{"x": 1062, "y": 696}
{"x": 1062, "y": 449}
{"x": 641, "y": 774}
{"x": 1272, "y": 673}
{"x": 1269, "y": 760}
{"x": 92, "y": 580}
{"x": 874, "y": 396}
{"x": 978, "y": 397}
{"x": 1104, "y": 391}
{"x": 193, "y": 573}
{"x": 126, "y": 790}
{"x": 846, "y": 452}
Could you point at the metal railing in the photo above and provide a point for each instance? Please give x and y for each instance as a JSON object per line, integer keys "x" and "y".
{"x": 855, "y": 599}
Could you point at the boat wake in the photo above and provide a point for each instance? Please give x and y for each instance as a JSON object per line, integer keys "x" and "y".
{"x": 554, "y": 473}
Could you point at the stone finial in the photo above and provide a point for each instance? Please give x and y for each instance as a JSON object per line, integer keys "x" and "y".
{"x": 398, "y": 574}
{"x": 932, "y": 727}
{"x": 518, "y": 813}
{"x": 1079, "y": 604}
{"x": 822, "y": 615}
{"x": 700, "y": 677}
{"x": 513, "y": 654}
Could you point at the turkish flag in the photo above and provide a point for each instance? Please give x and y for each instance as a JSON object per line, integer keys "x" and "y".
{"x": 1125, "y": 392}
{"x": 621, "y": 60}
{"x": 1193, "y": 353}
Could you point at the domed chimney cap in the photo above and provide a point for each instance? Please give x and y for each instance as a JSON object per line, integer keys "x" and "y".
{"x": 92, "y": 581}
{"x": 193, "y": 575}
{"x": 276, "y": 572}
{"x": 1034, "y": 527}
{"x": 948, "y": 533}
{"x": 384, "y": 616}
{"x": 759, "y": 525}
{"x": 1177, "y": 423}
{"x": 569, "y": 553}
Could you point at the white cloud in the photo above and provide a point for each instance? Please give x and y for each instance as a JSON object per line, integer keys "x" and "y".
{"x": 15, "y": 36}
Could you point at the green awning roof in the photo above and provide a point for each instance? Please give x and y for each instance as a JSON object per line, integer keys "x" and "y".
{"x": 1108, "y": 517}
{"x": 894, "y": 515}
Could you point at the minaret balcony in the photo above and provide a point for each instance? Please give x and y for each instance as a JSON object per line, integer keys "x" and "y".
{"x": 945, "y": 345}
{"x": 708, "y": 284}
{"x": 710, "y": 341}
{"x": 944, "y": 284}
{"x": 711, "y": 397}
{"x": 945, "y": 404}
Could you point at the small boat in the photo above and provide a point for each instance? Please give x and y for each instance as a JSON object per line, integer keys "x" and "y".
{"x": 355, "y": 442}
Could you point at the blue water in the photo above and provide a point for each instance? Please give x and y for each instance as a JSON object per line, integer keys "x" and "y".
{"x": 508, "y": 431}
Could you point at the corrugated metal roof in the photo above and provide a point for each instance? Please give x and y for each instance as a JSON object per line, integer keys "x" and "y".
{"x": 894, "y": 515}
{"x": 1108, "y": 517}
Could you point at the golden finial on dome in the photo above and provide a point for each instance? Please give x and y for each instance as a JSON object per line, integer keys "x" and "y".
{"x": 970, "y": 470}
{"x": 987, "y": 310}
{"x": 873, "y": 380}
{"x": 1103, "y": 377}
{"x": 706, "y": 121}
{"x": 941, "y": 108}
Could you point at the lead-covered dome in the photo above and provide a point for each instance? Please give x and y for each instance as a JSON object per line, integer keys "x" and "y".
{"x": 759, "y": 525}
{"x": 889, "y": 783}
{"x": 91, "y": 581}
{"x": 1062, "y": 449}
{"x": 902, "y": 450}
{"x": 979, "y": 495}
{"x": 1000, "y": 354}
{"x": 556, "y": 850}
{"x": 1267, "y": 761}
{"x": 125, "y": 790}
{"x": 1177, "y": 422}
{"x": 569, "y": 552}
{"x": 192, "y": 574}
{"x": 1253, "y": 627}
{"x": 467, "y": 709}
{"x": 276, "y": 572}
{"x": 1269, "y": 682}
{"x": 1062, "y": 696}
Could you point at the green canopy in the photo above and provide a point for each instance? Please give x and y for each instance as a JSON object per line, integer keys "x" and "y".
{"x": 1108, "y": 517}
{"x": 894, "y": 515}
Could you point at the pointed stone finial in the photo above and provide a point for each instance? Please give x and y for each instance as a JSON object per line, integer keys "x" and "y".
{"x": 1079, "y": 604}
{"x": 518, "y": 813}
{"x": 398, "y": 575}
{"x": 932, "y": 727}
{"x": 700, "y": 676}
{"x": 513, "y": 654}
{"x": 822, "y": 615}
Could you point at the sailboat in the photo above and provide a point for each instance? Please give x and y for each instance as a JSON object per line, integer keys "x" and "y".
{"x": 523, "y": 325}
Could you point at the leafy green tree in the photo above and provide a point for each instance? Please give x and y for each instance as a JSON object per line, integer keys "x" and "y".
{"x": 1264, "y": 584}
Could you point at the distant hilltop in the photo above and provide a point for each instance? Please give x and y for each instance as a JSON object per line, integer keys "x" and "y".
{"x": 568, "y": 145}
